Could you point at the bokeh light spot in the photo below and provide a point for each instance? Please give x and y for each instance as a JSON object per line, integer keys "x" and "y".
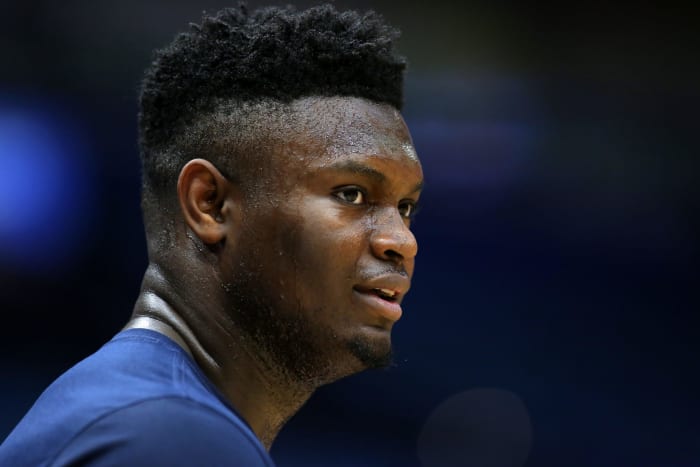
{"x": 44, "y": 185}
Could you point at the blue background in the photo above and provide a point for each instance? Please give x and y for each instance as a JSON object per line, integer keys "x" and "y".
{"x": 558, "y": 233}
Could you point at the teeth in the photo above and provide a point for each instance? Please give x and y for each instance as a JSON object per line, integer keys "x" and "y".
{"x": 386, "y": 292}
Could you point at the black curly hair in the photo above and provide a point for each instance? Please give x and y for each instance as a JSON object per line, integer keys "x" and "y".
{"x": 235, "y": 60}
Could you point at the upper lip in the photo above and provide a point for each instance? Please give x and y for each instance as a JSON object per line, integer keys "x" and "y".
{"x": 397, "y": 283}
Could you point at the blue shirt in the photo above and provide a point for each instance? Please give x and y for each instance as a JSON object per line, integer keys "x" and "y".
{"x": 139, "y": 400}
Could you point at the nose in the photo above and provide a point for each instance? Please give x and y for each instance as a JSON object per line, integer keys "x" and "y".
{"x": 391, "y": 238}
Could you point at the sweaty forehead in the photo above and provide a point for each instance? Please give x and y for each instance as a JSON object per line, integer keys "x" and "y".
{"x": 334, "y": 127}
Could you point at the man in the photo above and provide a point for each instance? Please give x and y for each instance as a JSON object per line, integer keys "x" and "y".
{"x": 279, "y": 182}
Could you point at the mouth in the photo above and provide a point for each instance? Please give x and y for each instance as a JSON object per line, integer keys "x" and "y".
{"x": 381, "y": 302}
{"x": 386, "y": 294}
{"x": 390, "y": 295}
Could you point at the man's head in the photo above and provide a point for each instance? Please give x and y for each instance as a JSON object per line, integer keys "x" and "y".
{"x": 242, "y": 68}
{"x": 275, "y": 136}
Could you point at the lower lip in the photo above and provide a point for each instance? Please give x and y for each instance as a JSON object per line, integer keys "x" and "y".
{"x": 384, "y": 308}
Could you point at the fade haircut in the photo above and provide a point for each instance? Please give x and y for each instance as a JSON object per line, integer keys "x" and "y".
{"x": 228, "y": 77}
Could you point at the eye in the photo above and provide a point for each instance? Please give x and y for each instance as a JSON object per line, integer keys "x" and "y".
{"x": 408, "y": 209}
{"x": 352, "y": 195}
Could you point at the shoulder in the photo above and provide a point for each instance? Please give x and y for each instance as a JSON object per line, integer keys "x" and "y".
{"x": 165, "y": 431}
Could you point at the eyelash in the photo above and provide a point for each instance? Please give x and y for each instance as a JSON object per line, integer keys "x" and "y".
{"x": 413, "y": 206}
{"x": 350, "y": 189}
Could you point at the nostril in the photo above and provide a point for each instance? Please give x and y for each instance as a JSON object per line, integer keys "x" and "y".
{"x": 392, "y": 254}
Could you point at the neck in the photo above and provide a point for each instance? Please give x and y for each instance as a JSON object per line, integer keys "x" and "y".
{"x": 263, "y": 395}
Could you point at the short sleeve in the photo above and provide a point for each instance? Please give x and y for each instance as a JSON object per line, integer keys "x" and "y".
{"x": 167, "y": 431}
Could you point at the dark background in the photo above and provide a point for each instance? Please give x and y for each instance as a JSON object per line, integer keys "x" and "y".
{"x": 558, "y": 236}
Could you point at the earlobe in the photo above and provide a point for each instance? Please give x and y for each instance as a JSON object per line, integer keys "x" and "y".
{"x": 202, "y": 191}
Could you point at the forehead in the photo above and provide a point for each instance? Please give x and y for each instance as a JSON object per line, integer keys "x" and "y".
{"x": 326, "y": 129}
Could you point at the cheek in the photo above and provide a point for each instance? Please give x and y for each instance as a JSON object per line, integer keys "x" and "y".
{"x": 325, "y": 243}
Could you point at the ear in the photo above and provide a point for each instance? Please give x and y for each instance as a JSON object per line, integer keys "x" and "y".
{"x": 203, "y": 193}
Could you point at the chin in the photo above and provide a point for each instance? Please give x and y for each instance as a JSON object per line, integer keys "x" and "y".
{"x": 372, "y": 352}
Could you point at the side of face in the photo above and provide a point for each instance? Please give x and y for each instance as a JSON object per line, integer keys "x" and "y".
{"x": 325, "y": 254}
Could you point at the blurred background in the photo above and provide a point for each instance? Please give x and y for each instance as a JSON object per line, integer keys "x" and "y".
{"x": 554, "y": 312}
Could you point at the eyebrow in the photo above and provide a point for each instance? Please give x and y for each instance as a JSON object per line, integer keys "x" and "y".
{"x": 359, "y": 169}
{"x": 419, "y": 186}
{"x": 355, "y": 167}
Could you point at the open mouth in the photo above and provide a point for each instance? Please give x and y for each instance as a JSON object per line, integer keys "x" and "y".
{"x": 380, "y": 301}
{"x": 385, "y": 294}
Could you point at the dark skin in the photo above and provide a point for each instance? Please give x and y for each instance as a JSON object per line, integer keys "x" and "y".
{"x": 279, "y": 286}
